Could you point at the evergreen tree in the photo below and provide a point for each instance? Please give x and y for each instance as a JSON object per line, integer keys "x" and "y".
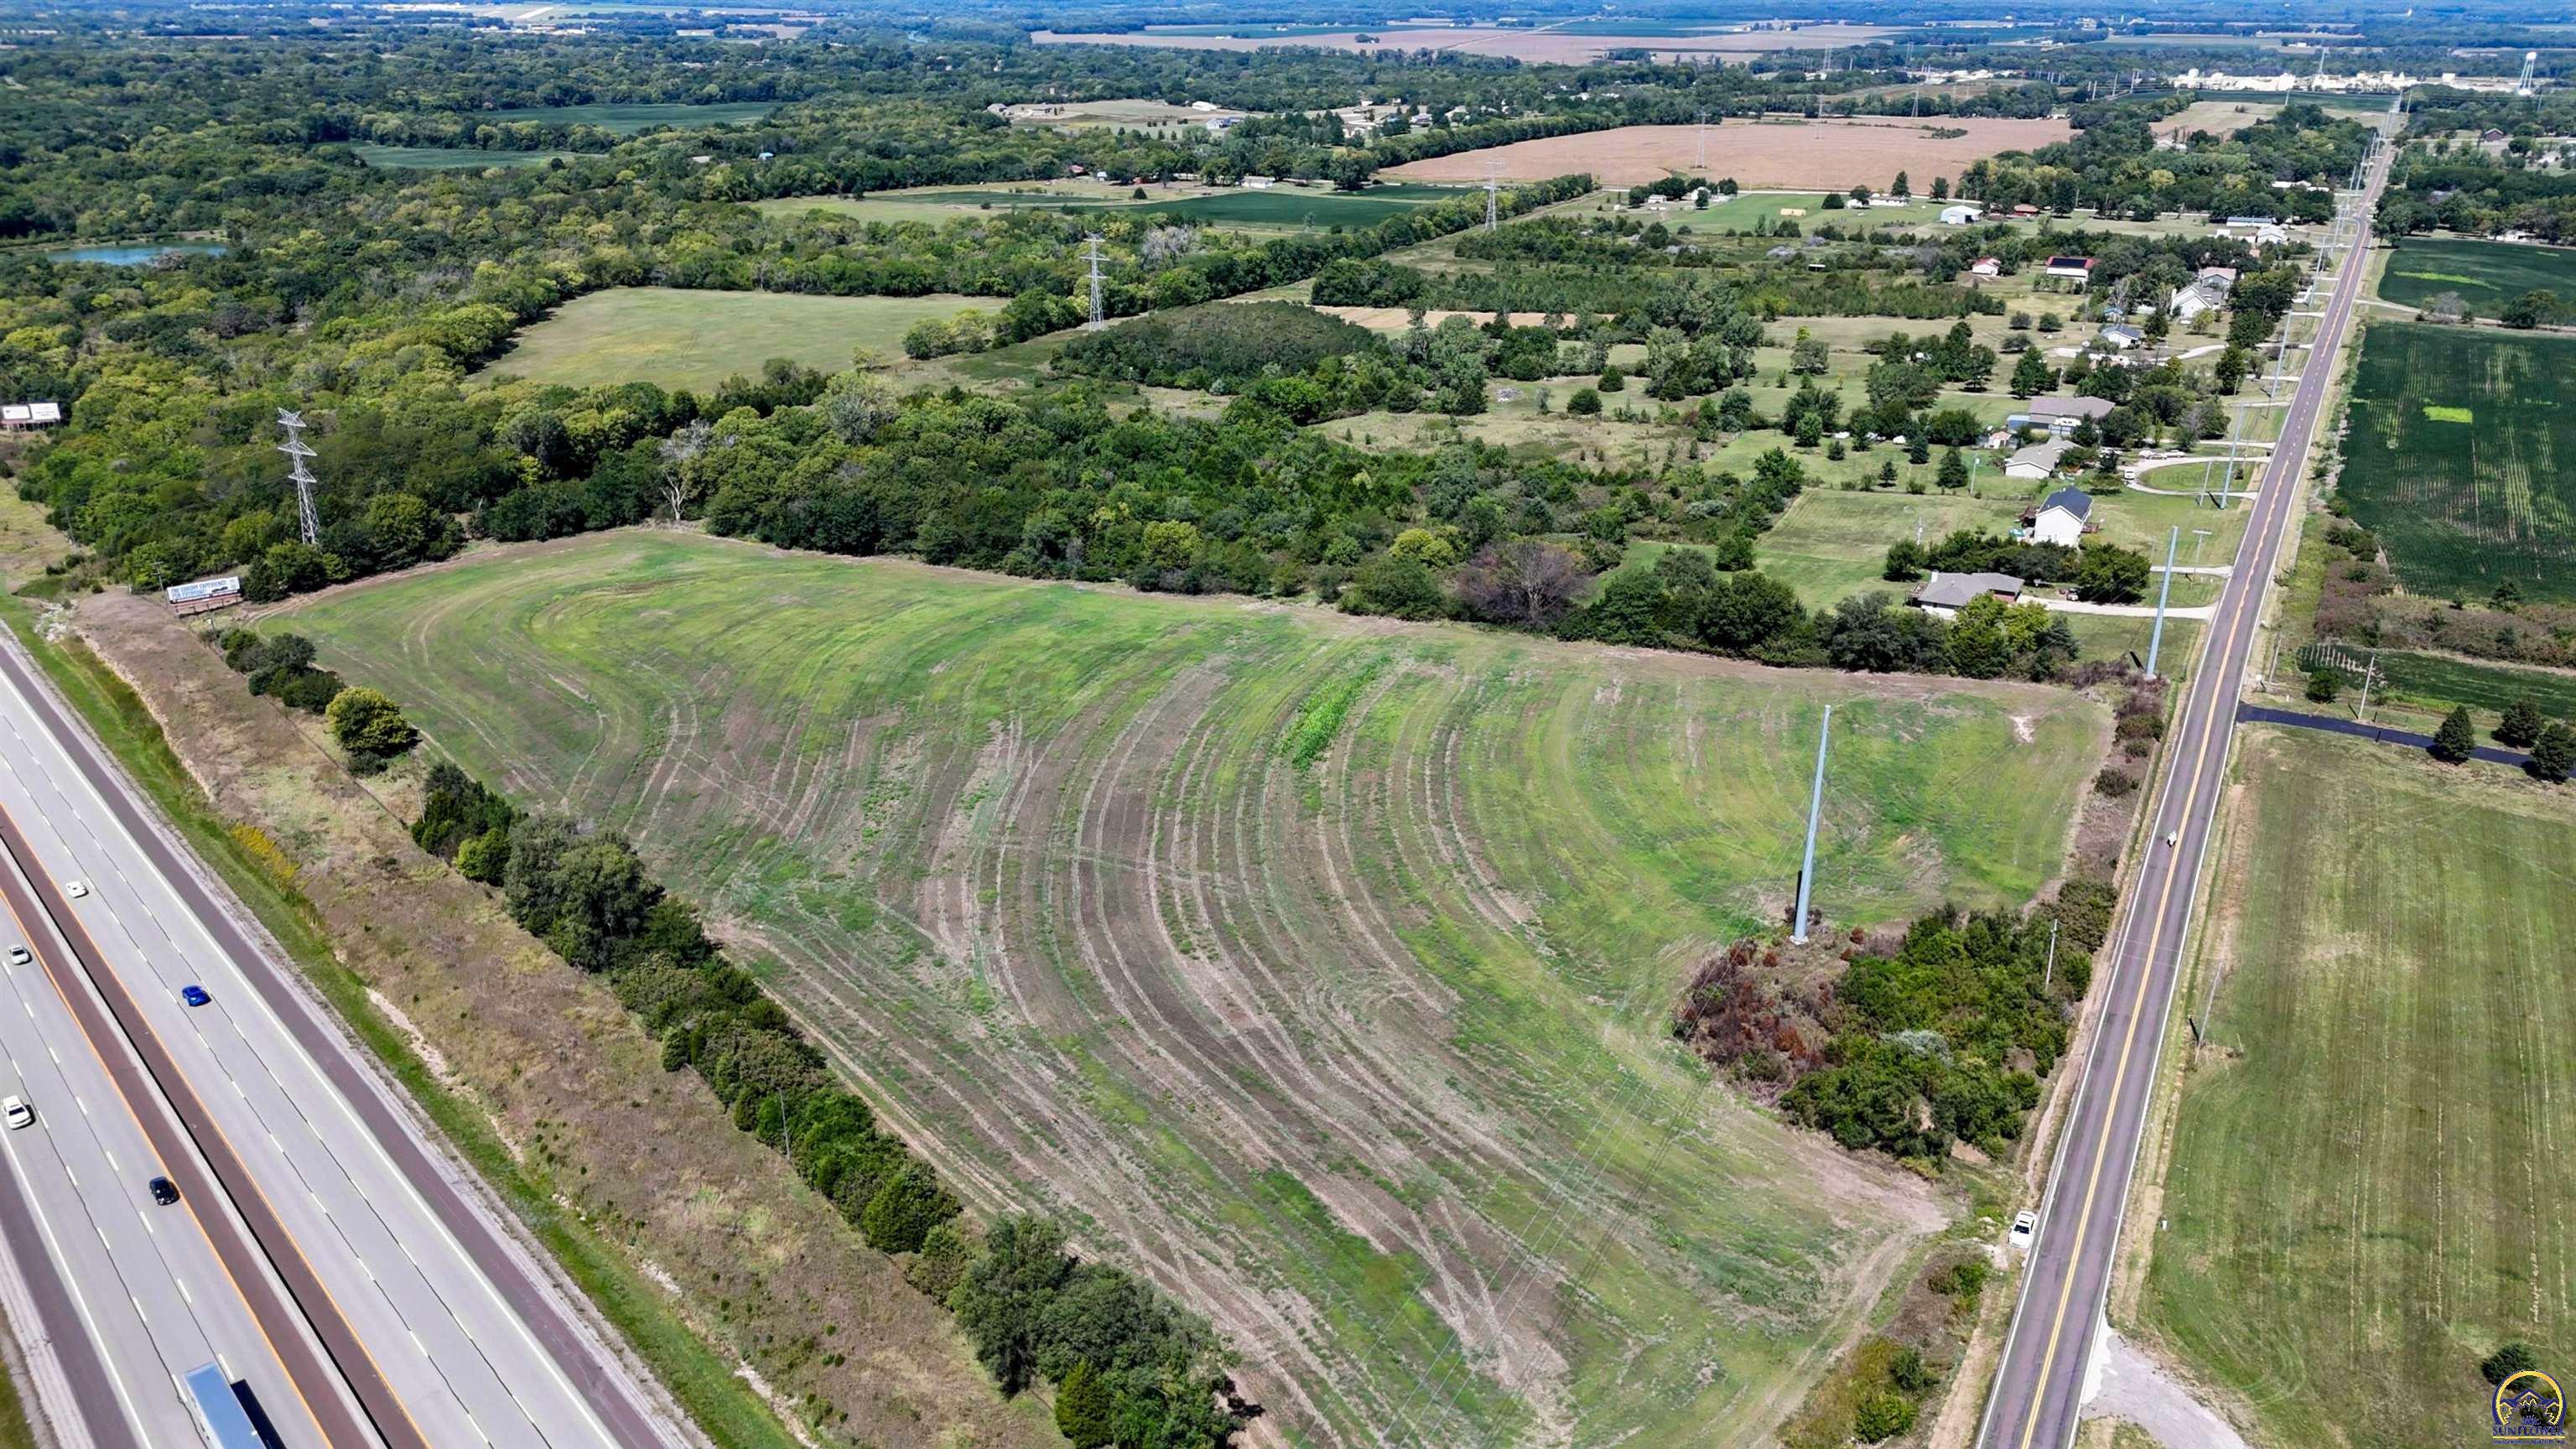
{"x": 1954, "y": 470}
{"x": 2553, "y": 755}
{"x": 2032, "y": 375}
{"x": 2457, "y": 739}
{"x": 2522, "y": 725}
{"x": 1084, "y": 1408}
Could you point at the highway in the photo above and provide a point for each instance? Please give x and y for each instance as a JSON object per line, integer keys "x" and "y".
{"x": 2038, "y": 1390}
{"x": 321, "y": 1248}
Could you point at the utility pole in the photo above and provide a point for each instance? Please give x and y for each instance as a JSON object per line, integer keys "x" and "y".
{"x": 1702, "y": 167}
{"x": 2050, "y": 975}
{"x": 1490, "y": 184}
{"x": 2369, "y": 676}
{"x": 2156, "y": 636}
{"x": 1092, "y": 255}
{"x": 1815, "y": 809}
{"x": 302, "y": 477}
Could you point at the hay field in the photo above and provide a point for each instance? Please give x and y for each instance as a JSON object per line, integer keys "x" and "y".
{"x": 1552, "y": 45}
{"x": 2455, "y": 458}
{"x": 1800, "y": 155}
{"x": 1318, "y": 967}
{"x": 680, "y": 338}
{"x": 2486, "y": 274}
{"x": 2369, "y": 1178}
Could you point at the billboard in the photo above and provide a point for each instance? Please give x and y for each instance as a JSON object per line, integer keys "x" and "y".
{"x": 203, "y": 589}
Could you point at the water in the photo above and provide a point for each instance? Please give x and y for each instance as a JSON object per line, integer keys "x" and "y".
{"x": 132, "y": 256}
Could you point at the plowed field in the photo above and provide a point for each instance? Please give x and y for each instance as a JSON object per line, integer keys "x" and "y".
{"x": 1318, "y": 967}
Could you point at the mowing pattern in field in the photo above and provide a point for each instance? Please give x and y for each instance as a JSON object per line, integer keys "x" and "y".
{"x": 2463, "y": 506}
{"x": 1366, "y": 1055}
{"x": 2486, "y": 274}
{"x": 2373, "y": 1190}
{"x": 696, "y": 340}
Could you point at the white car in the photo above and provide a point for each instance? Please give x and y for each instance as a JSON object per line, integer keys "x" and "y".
{"x": 18, "y": 956}
{"x": 16, "y": 1111}
{"x": 76, "y": 889}
{"x": 2025, "y": 1227}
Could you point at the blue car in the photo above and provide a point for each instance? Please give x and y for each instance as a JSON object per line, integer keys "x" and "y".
{"x": 194, "y": 994}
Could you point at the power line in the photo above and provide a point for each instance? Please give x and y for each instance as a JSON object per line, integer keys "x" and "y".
{"x": 302, "y": 477}
{"x": 1092, "y": 255}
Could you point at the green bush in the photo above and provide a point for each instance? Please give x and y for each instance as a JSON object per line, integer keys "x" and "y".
{"x": 1882, "y": 1416}
{"x": 903, "y": 1212}
{"x": 365, "y": 722}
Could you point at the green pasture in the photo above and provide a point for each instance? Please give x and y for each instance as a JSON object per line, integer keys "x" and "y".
{"x": 2368, "y": 1187}
{"x": 626, "y": 118}
{"x": 1277, "y": 207}
{"x": 1831, "y": 544}
{"x": 692, "y": 339}
{"x": 2463, "y": 506}
{"x": 2439, "y": 682}
{"x": 1322, "y": 964}
{"x": 450, "y": 158}
{"x": 2486, "y": 274}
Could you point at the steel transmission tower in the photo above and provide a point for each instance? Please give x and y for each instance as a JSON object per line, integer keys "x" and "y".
{"x": 1490, "y": 184}
{"x": 301, "y": 476}
{"x": 1091, "y": 254}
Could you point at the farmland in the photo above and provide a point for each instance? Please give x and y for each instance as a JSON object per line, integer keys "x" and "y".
{"x": 1557, "y": 44}
{"x": 1277, "y": 207}
{"x": 697, "y": 339}
{"x": 2368, "y": 1182}
{"x": 2486, "y": 274}
{"x": 451, "y": 158}
{"x": 626, "y": 118}
{"x": 1802, "y": 155}
{"x": 2458, "y": 459}
{"x": 1318, "y": 966}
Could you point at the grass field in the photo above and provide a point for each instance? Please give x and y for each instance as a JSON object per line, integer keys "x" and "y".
{"x": 696, "y": 340}
{"x": 450, "y": 158}
{"x": 1832, "y": 544}
{"x": 2437, "y": 681}
{"x": 2486, "y": 274}
{"x": 1321, "y": 966}
{"x": 2462, "y": 506}
{"x": 626, "y": 118}
{"x": 1274, "y": 208}
{"x": 2370, "y": 1176}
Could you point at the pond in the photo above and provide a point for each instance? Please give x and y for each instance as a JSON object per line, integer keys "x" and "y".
{"x": 131, "y": 254}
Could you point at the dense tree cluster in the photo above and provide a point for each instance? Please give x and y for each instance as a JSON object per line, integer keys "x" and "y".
{"x": 2114, "y": 165}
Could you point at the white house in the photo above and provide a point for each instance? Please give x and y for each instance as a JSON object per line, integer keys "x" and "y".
{"x": 1260, "y": 183}
{"x": 2122, "y": 336}
{"x": 2062, "y": 518}
{"x": 1986, "y": 267}
{"x": 2037, "y": 461}
{"x": 2190, "y": 302}
{"x": 1961, "y": 214}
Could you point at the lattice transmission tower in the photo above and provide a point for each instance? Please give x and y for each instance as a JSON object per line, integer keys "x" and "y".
{"x": 301, "y": 476}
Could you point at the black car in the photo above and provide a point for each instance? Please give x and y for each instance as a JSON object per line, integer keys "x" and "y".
{"x": 164, "y": 1191}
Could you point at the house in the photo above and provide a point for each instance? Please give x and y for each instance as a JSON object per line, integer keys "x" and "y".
{"x": 2491, "y": 135}
{"x": 2024, "y": 210}
{"x": 2062, "y": 518}
{"x": 2122, "y": 336}
{"x": 2058, "y": 414}
{"x": 1260, "y": 183}
{"x": 1962, "y": 214}
{"x": 2037, "y": 461}
{"x": 2071, "y": 269}
{"x": 2221, "y": 278}
{"x": 1986, "y": 267}
{"x": 1946, "y": 594}
{"x": 2190, "y": 302}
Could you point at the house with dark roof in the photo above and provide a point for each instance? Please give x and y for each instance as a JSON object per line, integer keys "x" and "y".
{"x": 2070, "y": 269}
{"x": 2058, "y": 414}
{"x": 2062, "y": 518}
{"x": 1946, "y": 594}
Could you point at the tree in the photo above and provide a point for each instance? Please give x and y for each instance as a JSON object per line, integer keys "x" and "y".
{"x": 2553, "y": 755}
{"x": 1525, "y": 581}
{"x": 2508, "y": 1360}
{"x": 2457, "y": 739}
{"x": 998, "y": 1302}
{"x": 1902, "y": 188}
{"x": 2032, "y": 375}
{"x": 2108, "y": 574}
{"x": 1904, "y": 562}
{"x": 2521, "y": 726}
{"x": 1613, "y": 380}
{"x": 365, "y": 722}
{"x": 1883, "y": 1415}
{"x": 2531, "y": 309}
{"x": 1084, "y": 1409}
{"x": 1586, "y": 403}
{"x": 2324, "y": 684}
{"x": 899, "y": 1218}
{"x": 1940, "y": 188}
{"x": 1809, "y": 356}
{"x": 1954, "y": 470}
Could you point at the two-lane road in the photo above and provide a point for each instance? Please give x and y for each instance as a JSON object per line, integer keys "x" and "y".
{"x": 2038, "y": 1391}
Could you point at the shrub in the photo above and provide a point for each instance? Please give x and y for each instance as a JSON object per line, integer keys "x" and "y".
{"x": 2324, "y": 684}
{"x": 1881, "y": 1416}
{"x": 899, "y": 1218}
{"x": 2114, "y": 782}
{"x": 365, "y": 722}
{"x": 944, "y": 1257}
{"x": 1586, "y": 403}
{"x": 1083, "y": 1409}
{"x": 2513, "y": 1358}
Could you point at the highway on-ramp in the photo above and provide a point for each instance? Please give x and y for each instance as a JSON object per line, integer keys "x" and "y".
{"x": 439, "y": 1323}
{"x": 2038, "y": 1392}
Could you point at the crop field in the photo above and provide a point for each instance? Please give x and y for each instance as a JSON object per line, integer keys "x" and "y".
{"x": 1565, "y": 45}
{"x": 626, "y": 118}
{"x": 1801, "y": 155}
{"x": 1280, "y": 207}
{"x": 2455, "y": 458}
{"x": 679, "y": 338}
{"x": 1320, "y": 967}
{"x": 451, "y": 158}
{"x": 2486, "y": 274}
{"x": 2369, "y": 1181}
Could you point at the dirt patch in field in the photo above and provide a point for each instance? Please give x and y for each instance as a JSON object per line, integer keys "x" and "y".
{"x": 1537, "y": 46}
{"x": 1795, "y": 155}
{"x": 757, "y": 1261}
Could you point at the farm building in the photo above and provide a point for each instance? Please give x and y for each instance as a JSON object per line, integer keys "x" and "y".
{"x": 1946, "y": 594}
{"x": 2058, "y": 414}
{"x": 2062, "y": 518}
{"x": 1961, "y": 215}
{"x": 2070, "y": 269}
{"x": 30, "y": 415}
{"x": 1986, "y": 267}
{"x": 1260, "y": 183}
{"x": 2037, "y": 461}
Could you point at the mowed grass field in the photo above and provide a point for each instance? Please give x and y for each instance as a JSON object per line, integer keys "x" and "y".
{"x": 2370, "y": 1178}
{"x": 692, "y": 339}
{"x": 451, "y": 158}
{"x": 1319, "y": 967}
{"x": 2486, "y": 274}
{"x": 2462, "y": 458}
{"x": 1831, "y": 544}
{"x": 1273, "y": 208}
{"x": 626, "y": 118}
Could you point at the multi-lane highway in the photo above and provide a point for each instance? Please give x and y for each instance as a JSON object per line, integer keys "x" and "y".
{"x": 2039, "y": 1387}
{"x": 320, "y": 1249}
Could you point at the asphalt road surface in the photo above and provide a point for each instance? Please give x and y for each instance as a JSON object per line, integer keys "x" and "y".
{"x": 2038, "y": 1391}
{"x": 441, "y": 1328}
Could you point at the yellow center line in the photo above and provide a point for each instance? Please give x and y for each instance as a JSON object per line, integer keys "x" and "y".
{"x": 2214, "y": 690}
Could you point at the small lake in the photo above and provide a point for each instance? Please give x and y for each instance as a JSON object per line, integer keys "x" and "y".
{"x": 133, "y": 255}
